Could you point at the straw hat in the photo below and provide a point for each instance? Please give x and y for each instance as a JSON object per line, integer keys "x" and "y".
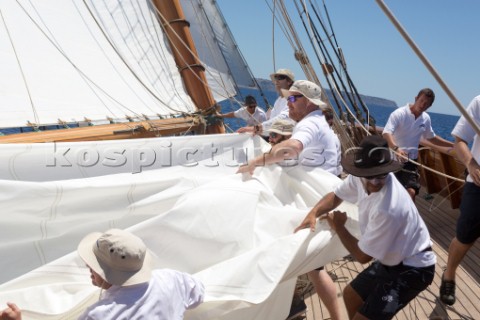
{"x": 308, "y": 89}
{"x": 283, "y": 72}
{"x": 283, "y": 127}
{"x": 118, "y": 256}
{"x": 372, "y": 158}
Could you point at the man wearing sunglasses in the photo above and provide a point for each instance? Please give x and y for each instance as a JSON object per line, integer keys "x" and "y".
{"x": 250, "y": 113}
{"x": 312, "y": 145}
{"x": 283, "y": 79}
{"x": 281, "y": 130}
{"x": 393, "y": 234}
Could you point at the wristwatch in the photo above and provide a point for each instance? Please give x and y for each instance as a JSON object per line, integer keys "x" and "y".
{"x": 395, "y": 148}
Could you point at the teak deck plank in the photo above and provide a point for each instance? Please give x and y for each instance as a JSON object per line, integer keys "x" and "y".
{"x": 441, "y": 221}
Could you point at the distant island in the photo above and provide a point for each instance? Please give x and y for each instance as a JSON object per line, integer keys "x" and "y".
{"x": 267, "y": 85}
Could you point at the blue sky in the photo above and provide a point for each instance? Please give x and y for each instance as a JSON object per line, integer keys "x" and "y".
{"x": 379, "y": 61}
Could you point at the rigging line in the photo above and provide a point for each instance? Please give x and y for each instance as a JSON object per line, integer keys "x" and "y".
{"x": 222, "y": 84}
{"x": 143, "y": 54}
{"x": 164, "y": 25}
{"x": 262, "y": 94}
{"x": 324, "y": 52}
{"x": 126, "y": 64}
{"x": 428, "y": 65}
{"x": 53, "y": 40}
{"x": 163, "y": 54}
{"x": 354, "y": 94}
{"x": 154, "y": 78}
{"x": 64, "y": 55}
{"x": 434, "y": 206}
{"x": 37, "y": 120}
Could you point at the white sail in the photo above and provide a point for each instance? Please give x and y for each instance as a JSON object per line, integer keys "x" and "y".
{"x": 217, "y": 49}
{"x": 233, "y": 232}
{"x": 70, "y": 60}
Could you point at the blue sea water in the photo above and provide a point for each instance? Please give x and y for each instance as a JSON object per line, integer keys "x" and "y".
{"x": 442, "y": 123}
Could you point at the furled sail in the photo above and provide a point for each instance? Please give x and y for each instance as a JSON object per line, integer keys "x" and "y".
{"x": 72, "y": 60}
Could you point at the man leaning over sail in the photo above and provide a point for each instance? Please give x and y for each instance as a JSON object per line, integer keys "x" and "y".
{"x": 283, "y": 79}
{"x": 312, "y": 144}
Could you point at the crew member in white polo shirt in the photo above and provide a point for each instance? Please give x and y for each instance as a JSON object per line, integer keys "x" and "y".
{"x": 283, "y": 79}
{"x": 312, "y": 145}
{"x": 403, "y": 131}
{"x": 251, "y": 113}
{"x": 393, "y": 234}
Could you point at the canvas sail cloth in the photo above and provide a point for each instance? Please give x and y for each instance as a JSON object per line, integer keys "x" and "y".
{"x": 76, "y": 59}
{"x": 234, "y": 233}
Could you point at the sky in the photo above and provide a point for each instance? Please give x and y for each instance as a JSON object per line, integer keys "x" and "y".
{"x": 379, "y": 60}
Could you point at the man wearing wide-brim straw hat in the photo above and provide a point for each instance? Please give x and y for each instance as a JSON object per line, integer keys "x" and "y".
{"x": 392, "y": 233}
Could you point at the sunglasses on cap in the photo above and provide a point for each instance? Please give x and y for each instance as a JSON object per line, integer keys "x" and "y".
{"x": 294, "y": 98}
{"x": 280, "y": 77}
{"x": 379, "y": 177}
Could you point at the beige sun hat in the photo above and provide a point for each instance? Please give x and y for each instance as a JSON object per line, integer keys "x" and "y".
{"x": 283, "y": 72}
{"x": 118, "y": 256}
{"x": 308, "y": 89}
{"x": 283, "y": 127}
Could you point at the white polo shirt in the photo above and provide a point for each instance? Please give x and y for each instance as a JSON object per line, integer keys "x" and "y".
{"x": 165, "y": 297}
{"x": 279, "y": 112}
{"x": 391, "y": 228}
{"x": 407, "y": 130}
{"x": 318, "y": 140}
{"x": 465, "y": 131}
{"x": 252, "y": 119}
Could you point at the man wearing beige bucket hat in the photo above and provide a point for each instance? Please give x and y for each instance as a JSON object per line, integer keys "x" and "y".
{"x": 121, "y": 264}
{"x": 392, "y": 233}
{"x": 283, "y": 79}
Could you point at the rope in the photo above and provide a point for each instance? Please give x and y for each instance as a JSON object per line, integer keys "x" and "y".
{"x": 428, "y": 65}
{"x": 35, "y": 114}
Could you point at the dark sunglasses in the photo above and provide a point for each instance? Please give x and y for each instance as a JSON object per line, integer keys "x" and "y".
{"x": 294, "y": 98}
{"x": 379, "y": 177}
{"x": 280, "y": 77}
{"x": 252, "y": 106}
{"x": 273, "y": 135}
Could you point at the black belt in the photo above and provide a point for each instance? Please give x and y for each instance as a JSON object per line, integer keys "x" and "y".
{"x": 427, "y": 249}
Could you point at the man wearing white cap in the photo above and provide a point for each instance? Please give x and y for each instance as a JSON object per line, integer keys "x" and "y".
{"x": 283, "y": 79}
{"x": 121, "y": 264}
{"x": 312, "y": 141}
{"x": 313, "y": 144}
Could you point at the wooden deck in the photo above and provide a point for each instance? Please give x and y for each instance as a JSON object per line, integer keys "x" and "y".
{"x": 441, "y": 221}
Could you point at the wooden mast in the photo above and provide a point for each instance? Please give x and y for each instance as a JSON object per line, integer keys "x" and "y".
{"x": 185, "y": 54}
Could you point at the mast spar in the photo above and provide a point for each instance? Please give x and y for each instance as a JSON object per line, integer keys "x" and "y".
{"x": 185, "y": 54}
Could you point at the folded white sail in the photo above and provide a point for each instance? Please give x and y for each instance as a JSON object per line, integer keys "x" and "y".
{"x": 233, "y": 232}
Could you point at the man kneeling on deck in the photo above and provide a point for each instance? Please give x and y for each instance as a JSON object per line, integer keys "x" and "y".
{"x": 392, "y": 233}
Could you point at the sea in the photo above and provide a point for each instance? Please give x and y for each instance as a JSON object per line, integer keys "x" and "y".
{"x": 379, "y": 108}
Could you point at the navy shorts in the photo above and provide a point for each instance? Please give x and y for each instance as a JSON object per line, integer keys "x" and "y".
{"x": 468, "y": 223}
{"x": 386, "y": 290}
{"x": 409, "y": 176}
